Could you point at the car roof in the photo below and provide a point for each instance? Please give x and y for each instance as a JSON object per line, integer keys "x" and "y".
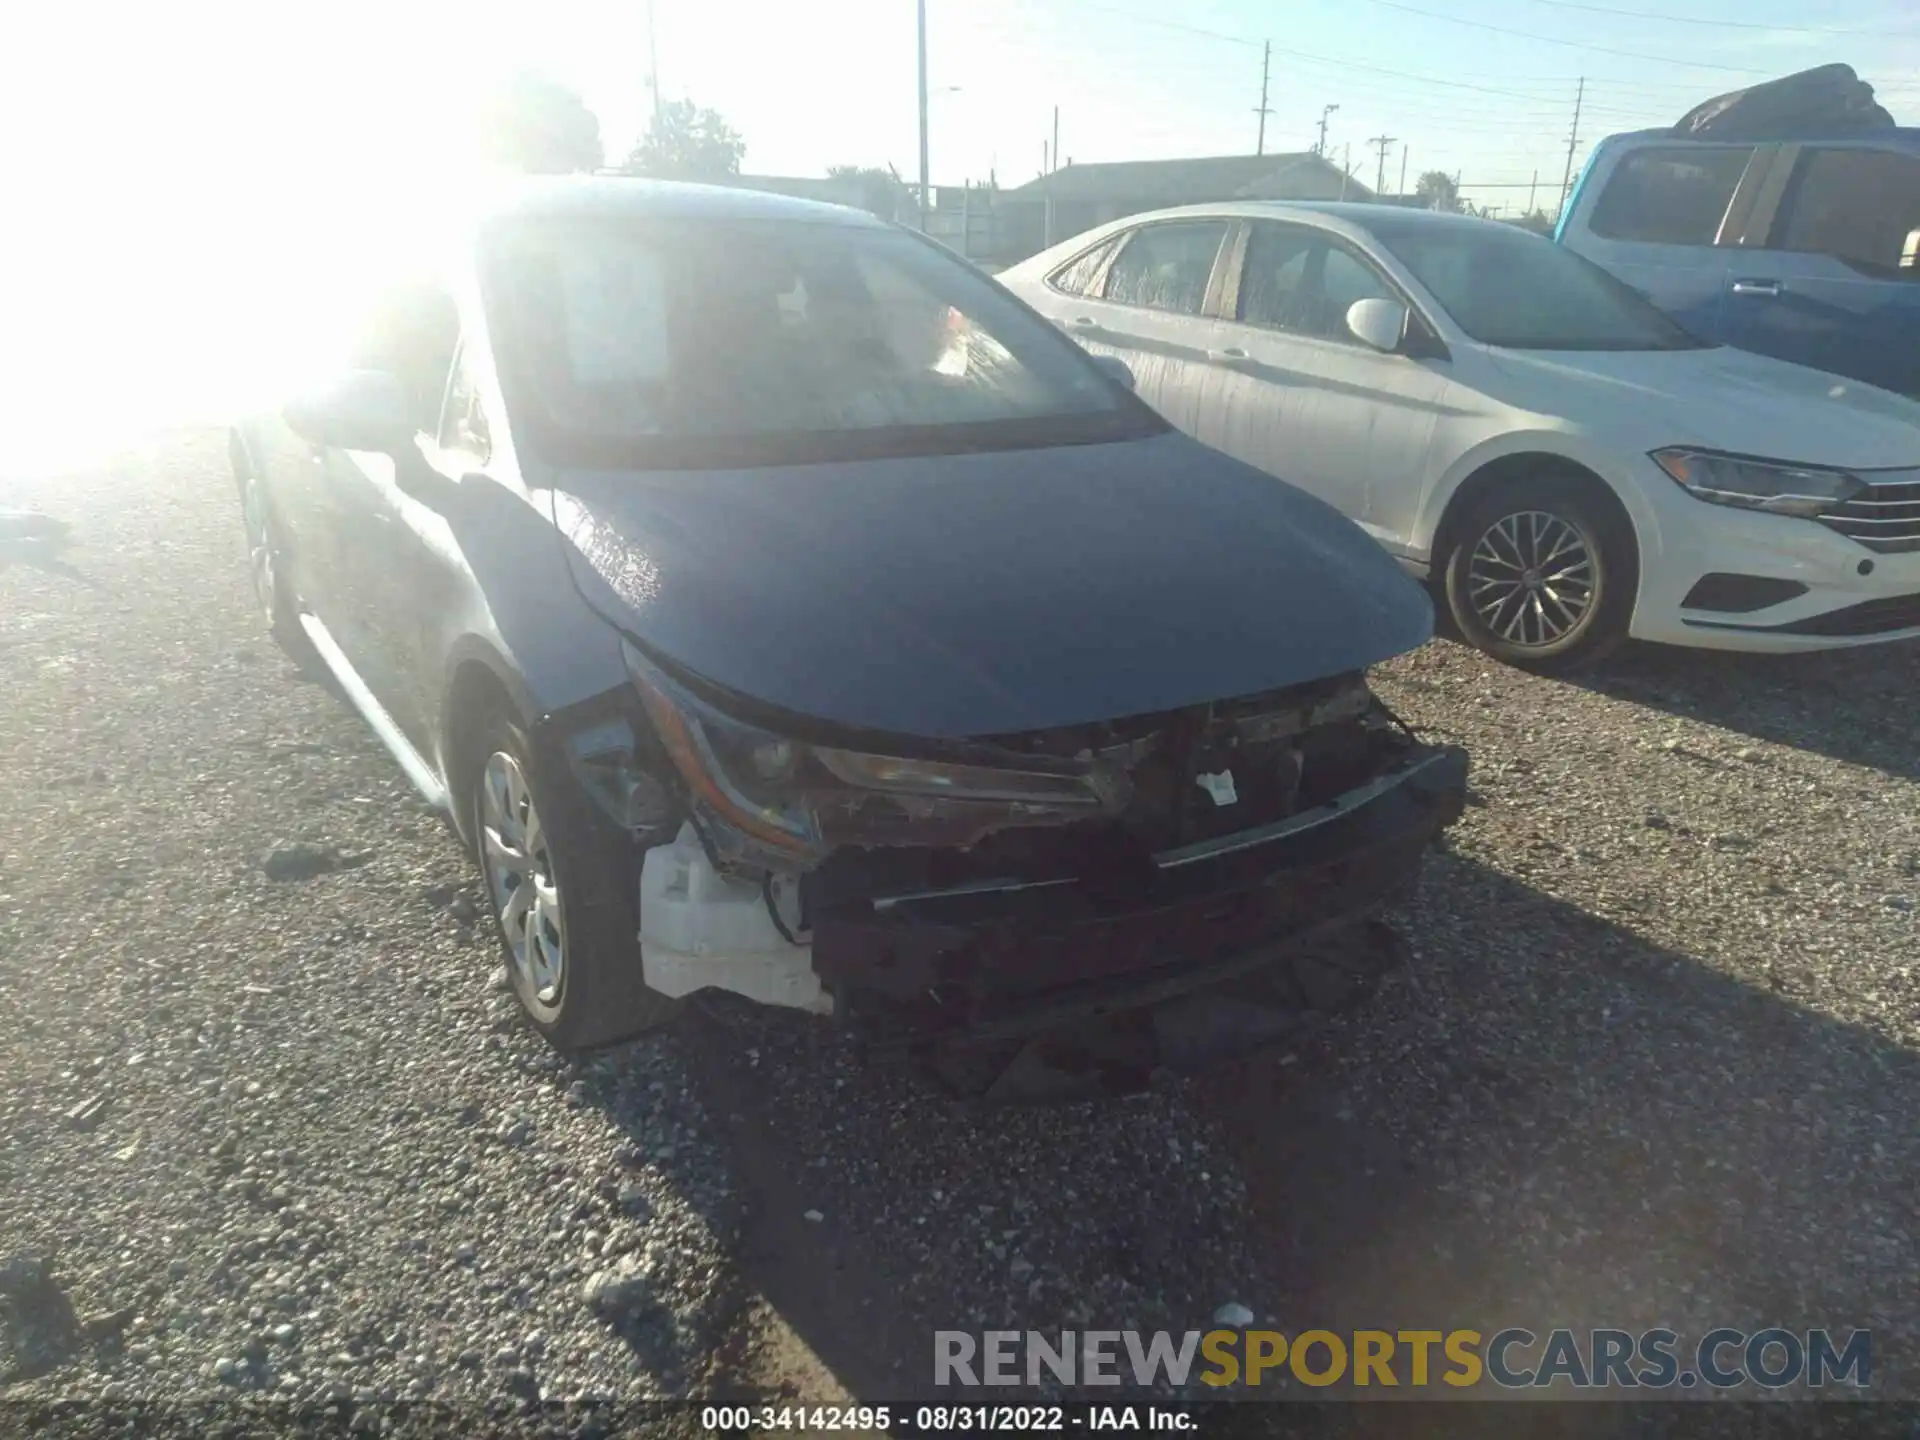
{"x": 1901, "y": 137}
{"x": 1349, "y": 217}
{"x": 573, "y": 197}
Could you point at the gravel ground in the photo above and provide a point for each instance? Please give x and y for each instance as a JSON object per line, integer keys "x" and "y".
{"x": 270, "y": 1111}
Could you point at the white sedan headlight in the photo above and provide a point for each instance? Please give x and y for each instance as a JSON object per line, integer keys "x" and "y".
{"x": 1774, "y": 486}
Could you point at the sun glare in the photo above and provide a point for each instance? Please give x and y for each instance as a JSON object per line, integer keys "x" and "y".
{"x": 193, "y": 242}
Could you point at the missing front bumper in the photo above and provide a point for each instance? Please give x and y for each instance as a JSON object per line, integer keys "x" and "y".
{"x": 1275, "y": 996}
{"x": 1003, "y": 960}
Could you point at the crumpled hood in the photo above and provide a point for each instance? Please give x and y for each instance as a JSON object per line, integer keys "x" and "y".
{"x": 1721, "y": 399}
{"x": 968, "y": 595}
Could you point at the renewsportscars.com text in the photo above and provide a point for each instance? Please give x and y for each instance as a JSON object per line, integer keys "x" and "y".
{"x": 1511, "y": 1358}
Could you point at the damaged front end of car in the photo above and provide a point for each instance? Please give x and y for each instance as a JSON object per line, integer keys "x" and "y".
{"x": 1058, "y": 912}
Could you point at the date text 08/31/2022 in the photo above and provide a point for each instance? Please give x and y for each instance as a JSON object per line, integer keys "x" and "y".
{"x": 945, "y": 1419}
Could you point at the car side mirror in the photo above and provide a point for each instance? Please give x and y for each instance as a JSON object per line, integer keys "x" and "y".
{"x": 1379, "y": 324}
{"x": 1115, "y": 369}
{"x": 358, "y": 410}
{"x": 1910, "y": 254}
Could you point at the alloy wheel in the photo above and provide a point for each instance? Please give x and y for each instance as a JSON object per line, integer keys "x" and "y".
{"x": 260, "y": 560}
{"x": 1532, "y": 578}
{"x": 520, "y": 878}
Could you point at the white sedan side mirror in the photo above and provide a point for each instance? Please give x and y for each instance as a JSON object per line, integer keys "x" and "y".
{"x": 1378, "y": 324}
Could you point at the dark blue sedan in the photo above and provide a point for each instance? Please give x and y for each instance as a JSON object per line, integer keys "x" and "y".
{"x": 778, "y": 606}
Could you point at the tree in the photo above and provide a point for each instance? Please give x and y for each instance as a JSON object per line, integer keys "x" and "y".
{"x": 535, "y": 124}
{"x": 881, "y": 191}
{"x": 1539, "y": 222}
{"x": 1436, "y": 187}
{"x": 687, "y": 143}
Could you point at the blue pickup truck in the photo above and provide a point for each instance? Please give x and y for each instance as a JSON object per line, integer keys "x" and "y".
{"x": 1808, "y": 251}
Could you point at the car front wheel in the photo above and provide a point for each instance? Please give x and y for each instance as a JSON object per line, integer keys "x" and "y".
{"x": 564, "y": 895}
{"x": 1543, "y": 575}
{"x": 266, "y": 565}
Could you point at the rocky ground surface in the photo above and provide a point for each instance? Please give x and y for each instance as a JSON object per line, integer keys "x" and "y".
{"x": 271, "y": 1125}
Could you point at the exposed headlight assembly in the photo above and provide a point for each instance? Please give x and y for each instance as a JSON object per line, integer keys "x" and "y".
{"x": 1773, "y": 486}
{"x": 800, "y": 801}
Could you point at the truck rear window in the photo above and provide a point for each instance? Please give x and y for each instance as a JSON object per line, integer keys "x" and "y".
{"x": 1859, "y": 205}
{"x": 1674, "y": 195}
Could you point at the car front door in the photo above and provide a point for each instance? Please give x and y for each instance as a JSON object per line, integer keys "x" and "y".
{"x": 425, "y": 584}
{"x": 1659, "y": 217}
{"x": 1300, "y": 397}
{"x": 1147, "y": 301}
{"x": 1830, "y": 277}
{"x": 413, "y": 335}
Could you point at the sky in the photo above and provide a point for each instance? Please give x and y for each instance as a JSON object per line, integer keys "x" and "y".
{"x": 1136, "y": 79}
{"x": 183, "y": 177}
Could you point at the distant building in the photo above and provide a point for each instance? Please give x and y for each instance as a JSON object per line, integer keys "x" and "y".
{"x": 996, "y": 227}
{"x": 1083, "y": 196}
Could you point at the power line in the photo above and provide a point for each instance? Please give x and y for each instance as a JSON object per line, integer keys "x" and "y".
{"x": 1571, "y": 44}
{"x": 1719, "y": 24}
{"x": 1512, "y": 90}
{"x": 1507, "y": 93}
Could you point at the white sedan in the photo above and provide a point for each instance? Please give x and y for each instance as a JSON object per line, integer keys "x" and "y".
{"x": 1505, "y": 417}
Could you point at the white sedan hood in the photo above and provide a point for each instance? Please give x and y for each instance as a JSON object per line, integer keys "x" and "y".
{"x": 1719, "y": 399}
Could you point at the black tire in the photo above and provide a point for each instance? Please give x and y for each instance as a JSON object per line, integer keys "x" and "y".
{"x": 601, "y": 996}
{"x": 1520, "y": 521}
{"x": 268, "y": 571}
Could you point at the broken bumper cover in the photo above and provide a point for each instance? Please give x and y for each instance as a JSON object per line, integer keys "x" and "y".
{"x": 1002, "y": 959}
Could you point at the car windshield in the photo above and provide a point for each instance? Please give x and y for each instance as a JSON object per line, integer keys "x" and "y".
{"x": 1507, "y": 287}
{"x": 679, "y": 343}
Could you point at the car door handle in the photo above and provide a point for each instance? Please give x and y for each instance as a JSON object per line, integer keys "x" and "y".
{"x": 1083, "y": 322}
{"x": 1232, "y": 355}
{"x": 1768, "y": 288}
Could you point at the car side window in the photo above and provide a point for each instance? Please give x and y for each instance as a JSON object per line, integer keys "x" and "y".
{"x": 1861, "y": 206}
{"x": 463, "y": 422}
{"x": 1345, "y": 279}
{"x": 1670, "y": 195}
{"x": 411, "y": 330}
{"x": 1167, "y": 267}
{"x": 1277, "y": 278}
{"x": 1076, "y": 277}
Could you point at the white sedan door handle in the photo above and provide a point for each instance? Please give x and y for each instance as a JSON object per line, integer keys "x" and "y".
{"x": 1769, "y": 288}
{"x": 1233, "y": 355}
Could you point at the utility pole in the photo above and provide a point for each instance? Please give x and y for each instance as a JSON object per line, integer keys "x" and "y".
{"x": 1321, "y": 148}
{"x": 1573, "y": 141}
{"x": 653, "y": 65}
{"x": 1404, "y": 152}
{"x": 1532, "y": 186}
{"x": 1052, "y": 162}
{"x": 1381, "y": 142}
{"x": 1346, "y": 168}
{"x": 925, "y": 183}
{"x": 1266, "y": 61}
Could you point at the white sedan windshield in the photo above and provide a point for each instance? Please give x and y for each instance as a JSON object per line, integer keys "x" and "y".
{"x": 1507, "y": 287}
